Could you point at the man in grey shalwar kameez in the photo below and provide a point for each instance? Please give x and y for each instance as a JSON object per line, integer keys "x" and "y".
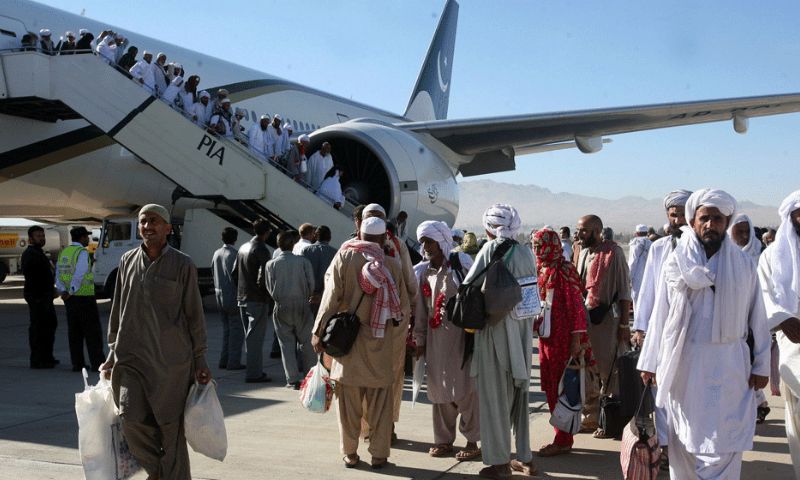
{"x": 290, "y": 281}
{"x": 501, "y": 362}
{"x": 157, "y": 343}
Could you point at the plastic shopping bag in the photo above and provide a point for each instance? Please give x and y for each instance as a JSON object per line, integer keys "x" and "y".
{"x": 419, "y": 377}
{"x": 104, "y": 452}
{"x": 204, "y": 421}
{"x": 316, "y": 391}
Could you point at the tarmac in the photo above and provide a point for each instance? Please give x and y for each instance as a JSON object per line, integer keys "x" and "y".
{"x": 270, "y": 435}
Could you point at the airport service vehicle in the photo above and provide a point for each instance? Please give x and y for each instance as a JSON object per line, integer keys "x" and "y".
{"x": 14, "y": 241}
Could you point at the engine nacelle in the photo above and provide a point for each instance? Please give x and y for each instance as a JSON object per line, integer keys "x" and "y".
{"x": 393, "y": 168}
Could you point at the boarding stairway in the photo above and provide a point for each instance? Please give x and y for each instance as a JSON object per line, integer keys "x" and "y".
{"x": 203, "y": 165}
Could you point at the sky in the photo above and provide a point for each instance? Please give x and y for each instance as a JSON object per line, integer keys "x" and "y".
{"x": 517, "y": 57}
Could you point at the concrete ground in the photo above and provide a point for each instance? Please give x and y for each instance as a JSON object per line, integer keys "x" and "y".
{"x": 269, "y": 434}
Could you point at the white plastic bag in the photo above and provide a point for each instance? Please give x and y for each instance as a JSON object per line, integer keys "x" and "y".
{"x": 316, "y": 391}
{"x": 104, "y": 452}
{"x": 419, "y": 377}
{"x": 204, "y": 421}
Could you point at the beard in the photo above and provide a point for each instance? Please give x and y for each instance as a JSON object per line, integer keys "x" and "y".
{"x": 713, "y": 243}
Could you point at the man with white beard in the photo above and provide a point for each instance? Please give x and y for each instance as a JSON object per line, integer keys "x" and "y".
{"x": 258, "y": 139}
{"x": 652, "y": 281}
{"x": 697, "y": 349}
{"x": 779, "y": 272}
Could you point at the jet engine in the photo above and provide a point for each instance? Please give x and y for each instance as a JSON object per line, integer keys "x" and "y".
{"x": 399, "y": 170}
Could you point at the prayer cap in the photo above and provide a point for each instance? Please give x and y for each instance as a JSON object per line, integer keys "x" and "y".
{"x": 157, "y": 209}
{"x": 502, "y": 220}
{"x": 146, "y": 53}
{"x": 276, "y": 117}
{"x": 204, "y": 94}
{"x": 710, "y": 197}
{"x": 373, "y": 226}
{"x": 69, "y": 34}
{"x": 222, "y": 91}
{"x": 373, "y": 207}
{"x": 457, "y": 233}
{"x": 437, "y": 231}
{"x": 45, "y": 32}
{"x": 224, "y": 101}
{"x": 264, "y": 117}
{"x": 303, "y": 138}
{"x": 83, "y": 32}
{"x": 161, "y": 54}
{"x": 177, "y": 65}
{"x": 288, "y": 126}
{"x": 676, "y": 198}
{"x": 240, "y": 111}
{"x": 641, "y": 228}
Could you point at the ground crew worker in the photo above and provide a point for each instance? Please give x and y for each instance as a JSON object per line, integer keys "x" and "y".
{"x": 75, "y": 283}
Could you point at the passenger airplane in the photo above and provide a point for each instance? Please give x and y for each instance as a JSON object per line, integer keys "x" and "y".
{"x": 56, "y": 165}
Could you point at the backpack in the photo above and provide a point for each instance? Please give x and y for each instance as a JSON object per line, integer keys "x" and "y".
{"x": 467, "y": 309}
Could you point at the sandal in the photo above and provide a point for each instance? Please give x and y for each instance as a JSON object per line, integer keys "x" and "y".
{"x": 468, "y": 453}
{"x": 600, "y": 433}
{"x": 496, "y": 472}
{"x": 441, "y": 450}
{"x": 528, "y": 469}
{"x": 378, "y": 463}
{"x": 350, "y": 461}
{"x": 552, "y": 450}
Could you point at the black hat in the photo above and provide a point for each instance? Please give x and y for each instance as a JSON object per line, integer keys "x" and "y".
{"x": 78, "y": 232}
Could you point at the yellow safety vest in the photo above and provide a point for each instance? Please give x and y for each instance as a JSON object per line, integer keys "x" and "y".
{"x": 67, "y": 262}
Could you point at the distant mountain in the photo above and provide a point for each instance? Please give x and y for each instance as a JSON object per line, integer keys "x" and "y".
{"x": 539, "y": 206}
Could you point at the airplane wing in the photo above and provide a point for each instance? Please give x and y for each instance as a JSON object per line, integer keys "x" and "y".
{"x": 493, "y": 142}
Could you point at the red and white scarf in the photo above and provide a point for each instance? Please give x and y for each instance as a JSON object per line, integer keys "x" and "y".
{"x": 604, "y": 254}
{"x": 375, "y": 279}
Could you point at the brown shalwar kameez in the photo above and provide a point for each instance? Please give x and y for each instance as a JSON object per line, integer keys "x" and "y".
{"x": 157, "y": 337}
{"x": 364, "y": 377}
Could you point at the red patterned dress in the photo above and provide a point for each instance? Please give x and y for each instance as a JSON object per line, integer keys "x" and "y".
{"x": 567, "y": 316}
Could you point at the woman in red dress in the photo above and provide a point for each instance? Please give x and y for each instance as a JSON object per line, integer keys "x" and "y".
{"x": 567, "y": 324}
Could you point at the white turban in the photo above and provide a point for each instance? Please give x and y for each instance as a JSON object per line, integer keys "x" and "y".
{"x": 438, "y": 232}
{"x": 303, "y": 138}
{"x": 457, "y": 233}
{"x": 373, "y": 226}
{"x": 373, "y": 207}
{"x": 502, "y": 221}
{"x": 641, "y": 228}
{"x": 83, "y": 32}
{"x": 786, "y": 248}
{"x": 676, "y": 198}
{"x": 710, "y": 197}
{"x": 204, "y": 94}
{"x": 753, "y": 247}
{"x": 44, "y": 32}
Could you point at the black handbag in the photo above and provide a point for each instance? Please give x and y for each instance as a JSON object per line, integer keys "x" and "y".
{"x": 467, "y": 309}
{"x": 613, "y": 417}
{"x": 598, "y": 313}
{"x": 341, "y": 331}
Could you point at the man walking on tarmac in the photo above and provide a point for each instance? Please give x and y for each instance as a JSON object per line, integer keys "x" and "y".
{"x": 75, "y": 283}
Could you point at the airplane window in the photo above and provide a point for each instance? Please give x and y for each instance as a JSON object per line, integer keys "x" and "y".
{"x": 307, "y": 127}
{"x": 255, "y": 117}
{"x": 294, "y": 122}
{"x": 246, "y": 115}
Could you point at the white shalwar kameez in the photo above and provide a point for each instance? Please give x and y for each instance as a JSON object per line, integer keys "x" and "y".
{"x": 257, "y": 142}
{"x": 637, "y": 258}
{"x": 318, "y": 167}
{"x": 331, "y": 190}
{"x": 144, "y": 73}
{"x": 643, "y": 308}
{"x": 779, "y": 273}
{"x": 696, "y": 345}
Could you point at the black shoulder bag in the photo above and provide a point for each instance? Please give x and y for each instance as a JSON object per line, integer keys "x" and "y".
{"x": 341, "y": 331}
{"x": 467, "y": 309}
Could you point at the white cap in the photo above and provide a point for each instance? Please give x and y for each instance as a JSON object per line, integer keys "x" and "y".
{"x": 288, "y": 126}
{"x": 161, "y": 54}
{"x": 641, "y": 228}
{"x": 146, "y": 53}
{"x": 457, "y": 233}
{"x": 204, "y": 94}
{"x": 224, "y": 101}
{"x": 276, "y": 117}
{"x": 373, "y": 226}
{"x": 177, "y": 65}
{"x": 240, "y": 111}
{"x": 373, "y": 207}
{"x": 69, "y": 34}
{"x": 303, "y": 138}
{"x": 83, "y": 32}
{"x": 45, "y": 32}
{"x": 264, "y": 117}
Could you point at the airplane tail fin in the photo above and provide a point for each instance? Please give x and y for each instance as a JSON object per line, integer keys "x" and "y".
{"x": 432, "y": 93}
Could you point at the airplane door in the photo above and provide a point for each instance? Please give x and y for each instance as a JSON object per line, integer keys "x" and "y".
{"x": 11, "y": 32}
